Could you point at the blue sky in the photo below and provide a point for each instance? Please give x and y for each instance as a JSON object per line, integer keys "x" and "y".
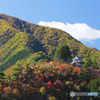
{"x": 79, "y": 16}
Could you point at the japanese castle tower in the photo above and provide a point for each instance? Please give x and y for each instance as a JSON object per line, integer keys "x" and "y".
{"x": 77, "y": 61}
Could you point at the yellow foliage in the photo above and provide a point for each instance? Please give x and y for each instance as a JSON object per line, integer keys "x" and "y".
{"x": 42, "y": 90}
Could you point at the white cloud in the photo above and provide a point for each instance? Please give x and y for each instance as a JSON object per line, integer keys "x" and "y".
{"x": 80, "y": 31}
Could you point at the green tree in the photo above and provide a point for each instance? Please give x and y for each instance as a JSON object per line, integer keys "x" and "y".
{"x": 1, "y": 76}
{"x": 63, "y": 52}
{"x": 89, "y": 63}
{"x": 94, "y": 85}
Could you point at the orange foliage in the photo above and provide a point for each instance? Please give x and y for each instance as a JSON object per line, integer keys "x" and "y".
{"x": 9, "y": 71}
{"x": 51, "y": 62}
{"x": 7, "y": 90}
{"x": 58, "y": 89}
{"x": 15, "y": 92}
{"x": 76, "y": 70}
{"x": 0, "y": 86}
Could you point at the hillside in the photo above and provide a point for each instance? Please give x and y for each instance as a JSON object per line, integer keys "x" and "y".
{"x": 22, "y": 42}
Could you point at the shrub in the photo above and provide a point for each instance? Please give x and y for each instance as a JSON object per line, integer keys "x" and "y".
{"x": 51, "y": 98}
{"x": 42, "y": 90}
{"x": 16, "y": 92}
{"x": 7, "y": 90}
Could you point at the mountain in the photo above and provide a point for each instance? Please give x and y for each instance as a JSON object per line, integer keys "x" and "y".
{"x": 22, "y": 42}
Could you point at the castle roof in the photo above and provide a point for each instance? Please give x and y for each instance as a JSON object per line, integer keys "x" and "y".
{"x": 76, "y": 58}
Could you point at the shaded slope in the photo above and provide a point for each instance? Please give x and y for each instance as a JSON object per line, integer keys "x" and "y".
{"x": 17, "y": 46}
{"x": 19, "y": 24}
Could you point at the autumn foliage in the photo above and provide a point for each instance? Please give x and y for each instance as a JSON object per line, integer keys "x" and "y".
{"x": 55, "y": 79}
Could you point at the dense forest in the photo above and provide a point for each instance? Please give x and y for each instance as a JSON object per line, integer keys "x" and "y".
{"x": 29, "y": 62}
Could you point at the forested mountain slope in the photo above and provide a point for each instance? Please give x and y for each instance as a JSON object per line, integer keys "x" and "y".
{"x": 21, "y": 41}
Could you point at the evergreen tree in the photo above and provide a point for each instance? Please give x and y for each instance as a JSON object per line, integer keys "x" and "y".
{"x": 63, "y": 52}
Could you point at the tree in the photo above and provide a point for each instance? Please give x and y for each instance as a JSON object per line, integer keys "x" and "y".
{"x": 63, "y": 52}
{"x": 89, "y": 63}
{"x": 1, "y": 76}
{"x": 94, "y": 85}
